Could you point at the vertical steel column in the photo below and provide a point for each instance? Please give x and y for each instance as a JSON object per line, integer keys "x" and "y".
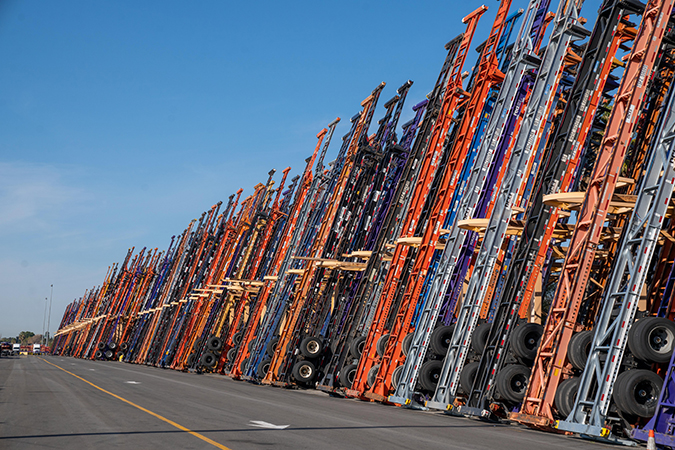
{"x": 566, "y": 27}
{"x": 537, "y": 408}
{"x": 622, "y": 292}
{"x": 295, "y": 228}
{"x": 432, "y": 157}
{"x": 521, "y": 58}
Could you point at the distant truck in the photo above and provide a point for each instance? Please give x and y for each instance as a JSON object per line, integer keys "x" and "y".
{"x": 5, "y": 349}
{"x": 16, "y": 349}
{"x": 36, "y": 348}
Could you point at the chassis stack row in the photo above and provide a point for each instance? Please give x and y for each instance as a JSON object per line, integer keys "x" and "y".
{"x": 507, "y": 253}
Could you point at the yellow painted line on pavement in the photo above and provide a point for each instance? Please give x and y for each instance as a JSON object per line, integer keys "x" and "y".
{"x": 162, "y": 418}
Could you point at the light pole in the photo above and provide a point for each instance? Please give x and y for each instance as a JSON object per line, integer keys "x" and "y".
{"x": 44, "y": 322}
{"x": 49, "y": 317}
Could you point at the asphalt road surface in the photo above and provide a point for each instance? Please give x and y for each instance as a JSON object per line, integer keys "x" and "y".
{"x": 55, "y": 402}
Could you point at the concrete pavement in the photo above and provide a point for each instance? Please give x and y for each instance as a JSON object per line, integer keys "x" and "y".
{"x": 102, "y": 405}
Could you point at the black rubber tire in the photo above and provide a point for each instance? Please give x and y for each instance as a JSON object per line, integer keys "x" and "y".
{"x": 407, "y": 342}
{"x": 196, "y": 345}
{"x": 101, "y": 346}
{"x": 251, "y": 343}
{"x": 304, "y": 371}
{"x": 637, "y": 392}
{"x": 525, "y": 340}
{"x": 356, "y": 346}
{"x": 347, "y": 375}
{"x": 311, "y": 347}
{"x": 231, "y": 354}
{"x": 124, "y": 346}
{"x": 372, "y": 375}
{"x": 440, "y": 340}
{"x": 98, "y": 354}
{"x": 214, "y": 343}
{"x": 479, "y": 338}
{"x": 190, "y": 359}
{"x": 396, "y": 376}
{"x": 565, "y": 396}
{"x": 271, "y": 346}
{"x": 511, "y": 382}
{"x": 263, "y": 368}
{"x": 381, "y": 345}
{"x": 237, "y": 337}
{"x": 208, "y": 359}
{"x": 112, "y": 346}
{"x": 430, "y": 373}
{"x": 652, "y": 339}
{"x": 467, "y": 376}
{"x": 109, "y": 354}
{"x": 242, "y": 365}
{"x": 579, "y": 348}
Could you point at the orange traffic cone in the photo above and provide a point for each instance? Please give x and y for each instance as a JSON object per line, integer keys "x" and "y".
{"x": 651, "y": 443}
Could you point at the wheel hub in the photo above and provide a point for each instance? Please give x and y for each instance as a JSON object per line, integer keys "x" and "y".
{"x": 305, "y": 371}
{"x": 661, "y": 340}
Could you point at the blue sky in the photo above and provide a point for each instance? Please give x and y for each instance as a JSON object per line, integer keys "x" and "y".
{"x": 121, "y": 121}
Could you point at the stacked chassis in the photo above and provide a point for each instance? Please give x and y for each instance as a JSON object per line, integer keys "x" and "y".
{"x": 509, "y": 256}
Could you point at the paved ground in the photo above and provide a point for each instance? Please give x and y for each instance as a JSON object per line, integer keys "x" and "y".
{"x": 102, "y": 405}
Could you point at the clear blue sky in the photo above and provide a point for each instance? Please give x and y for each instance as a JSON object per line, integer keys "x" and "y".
{"x": 121, "y": 121}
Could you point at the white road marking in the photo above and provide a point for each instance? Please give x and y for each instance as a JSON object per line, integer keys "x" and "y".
{"x": 132, "y": 382}
{"x": 261, "y": 424}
